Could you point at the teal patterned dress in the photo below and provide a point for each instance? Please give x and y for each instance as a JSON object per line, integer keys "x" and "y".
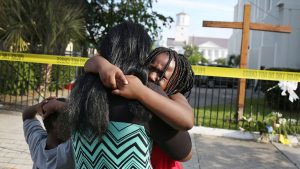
{"x": 124, "y": 146}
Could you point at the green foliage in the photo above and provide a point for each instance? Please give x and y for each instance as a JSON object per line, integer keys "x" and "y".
{"x": 194, "y": 59}
{"x": 61, "y": 76}
{"x": 234, "y": 60}
{"x": 17, "y": 78}
{"x": 220, "y": 61}
{"x": 223, "y": 116}
{"x": 47, "y": 26}
{"x": 102, "y": 15}
{"x": 274, "y": 98}
{"x": 262, "y": 127}
{"x": 39, "y": 27}
{"x": 193, "y": 54}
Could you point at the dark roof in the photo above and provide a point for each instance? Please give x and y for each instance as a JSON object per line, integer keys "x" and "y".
{"x": 200, "y": 40}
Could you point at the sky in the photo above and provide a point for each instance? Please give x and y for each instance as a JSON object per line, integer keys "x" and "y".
{"x": 198, "y": 10}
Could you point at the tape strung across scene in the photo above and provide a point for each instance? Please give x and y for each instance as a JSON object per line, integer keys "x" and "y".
{"x": 246, "y": 73}
{"x": 198, "y": 70}
{"x": 42, "y": 58}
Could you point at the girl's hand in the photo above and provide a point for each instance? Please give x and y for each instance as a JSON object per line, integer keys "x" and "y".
{"x": 108, "y": 72}
{"x": 132, "y": 90}
{"x": 39, "y": 107}
{"x": 110, "y": 75}
{"x": 52, "y": 106}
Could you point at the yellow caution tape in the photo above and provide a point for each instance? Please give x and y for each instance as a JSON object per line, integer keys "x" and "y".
{"x": 41, "y": 58}
{"x": 198, "y": 70}
{"x": 246, "y": 73}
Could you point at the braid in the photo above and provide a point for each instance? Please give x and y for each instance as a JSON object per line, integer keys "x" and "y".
{"x": 156, "y": 52}
{"x": 182, "y": 79}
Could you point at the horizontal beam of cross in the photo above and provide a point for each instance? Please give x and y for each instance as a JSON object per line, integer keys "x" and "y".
{"x": 253, "y": 26}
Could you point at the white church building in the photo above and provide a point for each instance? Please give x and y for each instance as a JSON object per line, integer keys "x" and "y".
{"x": 211, "y": 48}
{"x": 270, "y": 49}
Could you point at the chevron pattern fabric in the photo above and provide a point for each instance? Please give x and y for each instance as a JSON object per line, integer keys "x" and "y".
{"x": 124, "y": 146}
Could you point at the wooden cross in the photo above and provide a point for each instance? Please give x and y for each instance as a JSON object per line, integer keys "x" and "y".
{"x": 246, "y": 26}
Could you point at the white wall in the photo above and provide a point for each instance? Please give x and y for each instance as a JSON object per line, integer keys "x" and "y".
{"x": 213, "y": 53}
{"x": 268, "y": 48}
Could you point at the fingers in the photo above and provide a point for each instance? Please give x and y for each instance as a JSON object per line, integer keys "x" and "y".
{"x": 116, "y": 92}
{"x": 49, "y": 106}
{"x": 118, "y": 80}
{"x": 112, "y": 82}
{"x": 45, "y": 115}
{"x": 121, "y": 77}
{"x": 114, "y": 78}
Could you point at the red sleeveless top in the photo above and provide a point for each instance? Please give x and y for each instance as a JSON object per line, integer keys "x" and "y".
{"x": 160, "y": 160}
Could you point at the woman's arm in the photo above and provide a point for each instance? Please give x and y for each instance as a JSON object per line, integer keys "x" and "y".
{"x": 175, "y": 111}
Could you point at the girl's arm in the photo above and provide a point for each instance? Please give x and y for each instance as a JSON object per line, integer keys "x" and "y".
{"x": 175, "y": 111}
{"x": 177, "y": 144}
{"x": 108, "y": 72}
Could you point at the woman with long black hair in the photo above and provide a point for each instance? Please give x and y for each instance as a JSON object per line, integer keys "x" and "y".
{"x": 109, "y": 131}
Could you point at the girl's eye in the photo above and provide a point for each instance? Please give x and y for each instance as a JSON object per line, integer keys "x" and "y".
{"x": 164, "y": 79}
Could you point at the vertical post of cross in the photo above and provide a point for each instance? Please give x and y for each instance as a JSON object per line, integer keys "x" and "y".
{"x": 243, "y": 61}
{"x": 246, "y": 26}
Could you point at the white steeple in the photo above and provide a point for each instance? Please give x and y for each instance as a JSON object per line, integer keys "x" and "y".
{"x": 182, "y": 24}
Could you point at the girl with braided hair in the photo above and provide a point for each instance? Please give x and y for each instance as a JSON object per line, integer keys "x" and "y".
{"x": 173, "y": 73}
{"x": 109, "y": 131}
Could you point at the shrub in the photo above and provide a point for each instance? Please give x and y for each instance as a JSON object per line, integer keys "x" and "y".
{"x": 17, "y": 78}
{"x": 274, "y": 98}
{"x": 61, "y": 76}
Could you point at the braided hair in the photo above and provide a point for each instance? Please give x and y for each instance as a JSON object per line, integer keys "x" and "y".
{"x": 182, "y": 79}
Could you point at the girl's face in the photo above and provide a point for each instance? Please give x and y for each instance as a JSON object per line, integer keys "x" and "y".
{"x": 156, "y": 70}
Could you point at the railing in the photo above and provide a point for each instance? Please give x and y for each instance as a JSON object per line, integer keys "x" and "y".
{"x": 215, "y": 104}
{"x": 214, "y": 99}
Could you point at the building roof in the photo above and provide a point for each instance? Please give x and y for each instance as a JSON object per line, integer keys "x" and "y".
{"x": 181, "y": 13}
{"x": 200, "y": 40}
{"x": 171, "y": 42}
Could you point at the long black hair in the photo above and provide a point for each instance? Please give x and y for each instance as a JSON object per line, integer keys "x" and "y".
{"x": 126, "y": 46}
{"x": 182, "y": 79}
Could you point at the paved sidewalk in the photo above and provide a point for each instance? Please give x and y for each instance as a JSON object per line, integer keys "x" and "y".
{"x": 208, "y": 152}
{"x": 14, "y": 153}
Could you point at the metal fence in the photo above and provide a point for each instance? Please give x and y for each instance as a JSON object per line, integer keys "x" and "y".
{"x": 214, "y": 99}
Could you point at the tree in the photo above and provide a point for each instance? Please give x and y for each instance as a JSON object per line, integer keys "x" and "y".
{"x": 193, "y": 54}
{"x": 102, "y": 15}
{"x": 45, "y": 26}
{"x": 37, "y": 26}
{"x": 234, "y": 60}
{"x": 220, "y": 61}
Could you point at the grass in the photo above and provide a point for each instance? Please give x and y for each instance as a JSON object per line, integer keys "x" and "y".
{"x": 223, "y": 116}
